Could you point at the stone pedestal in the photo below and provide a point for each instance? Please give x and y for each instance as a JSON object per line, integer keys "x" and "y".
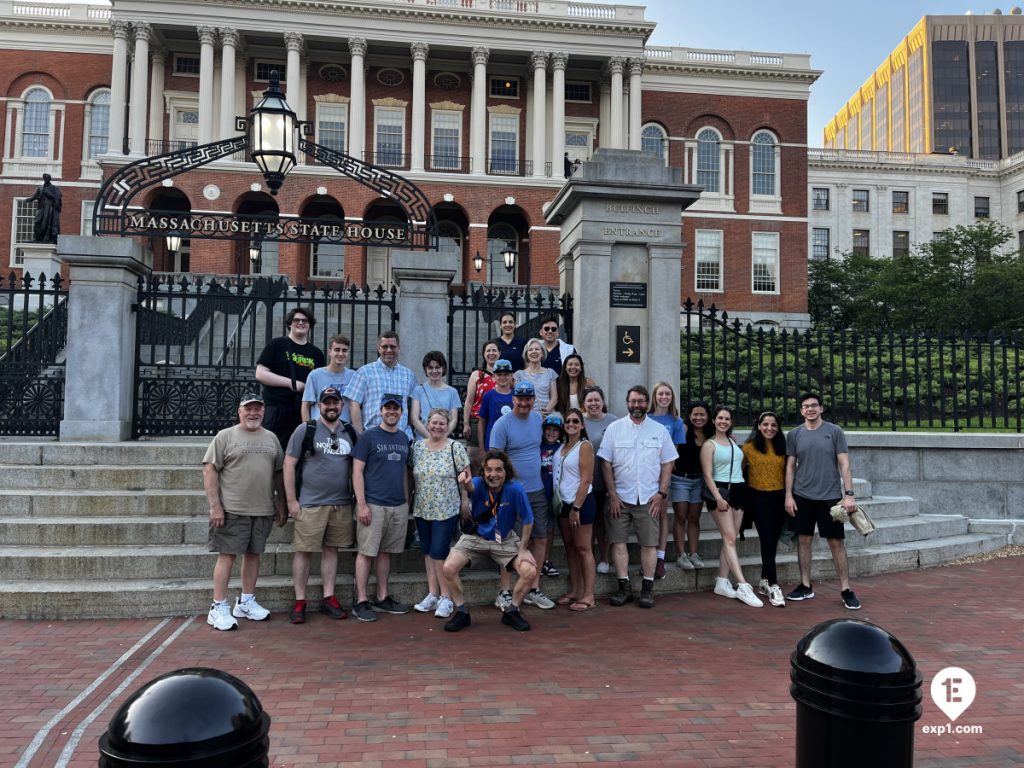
{"x": 38, "y": 259}
{"x": 98, "y": 396}
{"x": 621, "y": 220}
{"x": 423, "y": 280}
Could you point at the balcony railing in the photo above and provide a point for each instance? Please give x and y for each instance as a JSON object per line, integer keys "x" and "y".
{"x": 447, "y": 164}
{"x": 389, "y": 159}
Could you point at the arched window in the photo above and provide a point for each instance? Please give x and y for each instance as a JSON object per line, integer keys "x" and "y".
{"x": 35, "y": 132}
{"x": 763, "y": 170}
{"x": 653, "y": 139}
{"x": 98, "y": 128}
{"x": 449, "y": 241}
{"x": 709, "y": 160}
{"x": 500, "y": 237}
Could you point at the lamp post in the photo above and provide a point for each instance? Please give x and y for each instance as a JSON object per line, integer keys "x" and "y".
{"x": 173, "y": 245}
{"x": 255, "y": 254}
{"x": 509, "y": 256}
{"x": 272, "y": 141}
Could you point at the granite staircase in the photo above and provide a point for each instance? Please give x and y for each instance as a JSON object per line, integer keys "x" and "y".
{"x": 119, "y": 530}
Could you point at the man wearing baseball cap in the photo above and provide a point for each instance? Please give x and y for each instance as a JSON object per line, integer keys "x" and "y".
{"x": 321, "y": 507}
{"x": 241, "y": 474}
{"x": 381, "y": 485}
{"x": 496, "y": 402}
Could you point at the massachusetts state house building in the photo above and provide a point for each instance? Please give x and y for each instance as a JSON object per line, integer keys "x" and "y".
{"x": 483, "y": 104}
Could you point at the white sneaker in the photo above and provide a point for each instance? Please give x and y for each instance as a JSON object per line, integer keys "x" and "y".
{"x": 427, "y": 604}
{"x": 220, "y": 617}
{"x": 503, "y": 600}
{"x": 745, "y": 593}
{"x": 697, "y": 562}
{"x": 684, "y": 562}
{"x": 775, "y": 596}
{"x": 604, "y": 568}
{"x": 539, "y": 599}
{"x": 445, "y": 608}
{"x": 763, "y": 587}
{"x": 723, "y": 587}
{"x": 251, "y": 610}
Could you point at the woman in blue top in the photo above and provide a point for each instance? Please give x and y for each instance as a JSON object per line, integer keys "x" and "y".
{"x": 722, "y": 462}
{"x": 435, "y": 393}
{"x": 663, "y": 410}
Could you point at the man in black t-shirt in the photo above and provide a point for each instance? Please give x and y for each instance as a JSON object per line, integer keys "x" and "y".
{"x": 282, "y": 369}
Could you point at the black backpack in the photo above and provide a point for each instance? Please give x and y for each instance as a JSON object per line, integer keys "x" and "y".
{"x": 307, "y": 448}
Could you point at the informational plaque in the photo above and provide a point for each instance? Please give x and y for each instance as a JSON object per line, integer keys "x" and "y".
{"x": 627, "y": 343}
{"x": 633, "y": 295}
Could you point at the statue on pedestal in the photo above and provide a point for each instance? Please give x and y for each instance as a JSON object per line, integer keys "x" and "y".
{"x": 46, "y": 225}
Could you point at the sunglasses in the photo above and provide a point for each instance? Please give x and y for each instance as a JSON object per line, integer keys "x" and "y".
{"x": 573, "y": 421}
{"x": 334, "y": 443}
{"x": 550, "y": 329}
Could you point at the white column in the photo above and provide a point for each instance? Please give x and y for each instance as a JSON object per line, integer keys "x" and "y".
{"x": 419, "y": 102}
{"x": 558, "y": 62}
{"x": 604, "y": 115}
{"x": 241, "y": 97}
{"x": 139, "y": 113}
{"x": 229, "y": 44}
{"x": 118, "y": 86}
{"x": 615, "y": 66}
{"x": 478, "y": 112}
{"x": 207, "y": 36}
{"x": 636, "y": 70}
{"x": 357, "y": 109}
{"x": 539, "y": 65}
{"x": 156, "y": 95}
{"x": 293, "y": 42}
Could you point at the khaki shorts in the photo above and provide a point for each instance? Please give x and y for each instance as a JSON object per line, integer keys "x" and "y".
{"x": 327, "y": 526}
{"x": 386, "y": 531}
{"x": 241, "y": 535}
{"x": 636, "y": 518}
{"x": 476, "y": 548}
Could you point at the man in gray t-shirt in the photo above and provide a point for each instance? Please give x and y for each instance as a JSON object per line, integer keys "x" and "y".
{"x": 322, "y": 507}
{"x": 818, "y": 476}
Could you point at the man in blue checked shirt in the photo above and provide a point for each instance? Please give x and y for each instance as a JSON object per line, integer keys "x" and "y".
{"x": 372, "y": 381}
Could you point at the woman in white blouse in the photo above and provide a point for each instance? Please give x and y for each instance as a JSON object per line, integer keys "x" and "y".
{"x": 572, "y": 472}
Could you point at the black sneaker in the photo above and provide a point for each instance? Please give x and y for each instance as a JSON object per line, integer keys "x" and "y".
{"x": 513, "y": 618}
{"x": 801, "y": 593}
{"x": 548, "y": 569}
{"x": 623, "y": 596}
{"x": 363, "y": 611}
{"x": 646, "y": 595}
{"x": 459, "y": 620}
{"x": 332, "y": 608}
{"x": 850, "y": 600}
{"x": 298, "y": 612}
{"x": 389, "y": 605}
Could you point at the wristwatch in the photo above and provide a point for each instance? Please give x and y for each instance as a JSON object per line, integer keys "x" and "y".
{"x": 848, "y": 493}
{"x": 662, "y": 494}
{"x": 575, "y": 508}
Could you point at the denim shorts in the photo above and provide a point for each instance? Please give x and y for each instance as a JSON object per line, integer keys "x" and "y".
{"x": 687, "y": 489}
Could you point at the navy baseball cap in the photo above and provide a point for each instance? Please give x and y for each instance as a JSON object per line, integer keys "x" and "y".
{"x": 391, "y": 398}
{"x": 330, "y": 392}
{"x": 524, "y": 389}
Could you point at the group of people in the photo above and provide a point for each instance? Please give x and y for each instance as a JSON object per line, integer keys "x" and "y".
{"x": 348, "y": 454}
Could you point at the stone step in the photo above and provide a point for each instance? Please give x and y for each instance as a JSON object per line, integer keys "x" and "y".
{"x": 102, "y": 503}
{"x": 100, "y": 531}
{"x": 78, "y": 598}
{"x": 101, "y": 477}
{"x": 177, "y": 451}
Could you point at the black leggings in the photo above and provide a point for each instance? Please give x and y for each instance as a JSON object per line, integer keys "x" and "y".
{"x": 769, "y": 511}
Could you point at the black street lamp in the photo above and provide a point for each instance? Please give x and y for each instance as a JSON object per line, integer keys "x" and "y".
{"x": 272, "y": 143}
{"x": 255, "y": 254}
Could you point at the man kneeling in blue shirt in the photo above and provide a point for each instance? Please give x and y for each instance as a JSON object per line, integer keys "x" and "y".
{"x": 497, "y": 500}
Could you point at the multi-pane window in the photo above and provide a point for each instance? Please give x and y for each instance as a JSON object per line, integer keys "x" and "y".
{"x": 981, "y": 207}
{"x": 861, "y": 242}
{"x": 446, "y": 140}
{"x": 763, "y": 149}
{"x": 330, "y": 125}
{"x": 819, "y": 198}
{"x": 652, "y": 139}
{"x": 940, "y": 203}
{"x": 951, "y": 96}
{"x": 709, "y": 160}
{"x": 577, "y": 92}
{"x": 185, "y": 64}
{"x": 861, "y": 201}
{"x": 99, "y": 123}
{"x": 504, "y": 157}
{"x": 821, "y": 243}
{"x": 900, "y": 201}
{"x": 264, "y": 68}
{"x": 1020, "y": 240}
{"x": 1020, "y": 201}
{"x": 390, "y": 136}
{"x": 500, "y": 237}
{"x": 708, "y": 272}
{"x": 900, "y": 244}
{"x": 505, "y": 87}
{"x": 35, "y": 134}
{"x": 765, "y": 262}
{"x": 327, "y": 259}
{"x": 24, "y": 216}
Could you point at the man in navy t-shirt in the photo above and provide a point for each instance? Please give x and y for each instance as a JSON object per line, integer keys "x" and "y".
{"x": 497, "y": 501}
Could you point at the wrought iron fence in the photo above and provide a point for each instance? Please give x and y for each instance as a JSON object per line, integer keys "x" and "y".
{"x": 198, "y": 340}
{"x": 33, "y": 332}
{"x": 877, "y": 379}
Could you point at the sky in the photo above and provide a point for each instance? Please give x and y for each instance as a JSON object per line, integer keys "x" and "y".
{"x": 846, "y": 40}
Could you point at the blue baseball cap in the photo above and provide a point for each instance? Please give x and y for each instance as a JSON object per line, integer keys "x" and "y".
{"x": 502, "y": 366}
{"x": 524, "y": 389}
{"x": 391, "y": 398}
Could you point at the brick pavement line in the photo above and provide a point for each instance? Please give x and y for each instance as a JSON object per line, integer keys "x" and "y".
{"x": 76, "y": 735}
{"x": 43, "y": 733}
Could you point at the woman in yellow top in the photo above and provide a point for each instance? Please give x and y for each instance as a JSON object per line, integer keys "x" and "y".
{"x": 764, "y": 458}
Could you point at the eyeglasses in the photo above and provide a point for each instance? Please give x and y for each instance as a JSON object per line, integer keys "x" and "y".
{"x": 300, "y": 321}
{"x": 809, "y": 407}
{"x": 550, "y": 329}
{"x": 573, "y": 421}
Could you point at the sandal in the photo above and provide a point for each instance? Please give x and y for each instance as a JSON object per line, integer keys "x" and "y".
{"x": 579, "y": 606}
{"x": 566, "y": 600}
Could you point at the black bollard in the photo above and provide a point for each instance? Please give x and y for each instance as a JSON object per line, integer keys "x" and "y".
{"x": 858, "y": 695}
{"x": 189, "y": 718}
